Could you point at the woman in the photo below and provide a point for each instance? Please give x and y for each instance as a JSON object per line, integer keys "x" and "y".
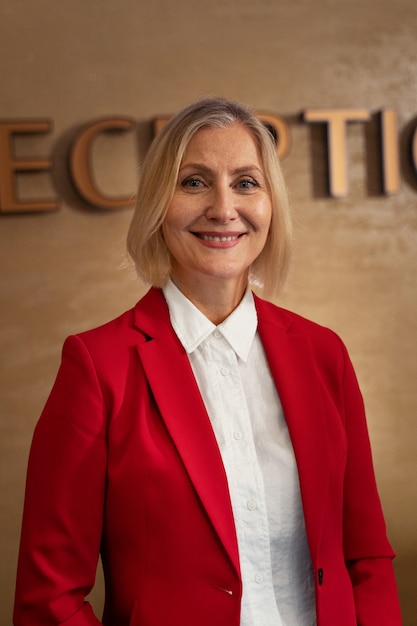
{"x": 209, "y": 444}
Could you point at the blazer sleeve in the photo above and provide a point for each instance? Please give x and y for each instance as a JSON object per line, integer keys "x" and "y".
{"x": 63, "y": 512}
{"x": 367, "y": 551}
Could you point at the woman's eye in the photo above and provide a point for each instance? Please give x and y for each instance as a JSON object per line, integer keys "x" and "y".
{"x": 247, "y": 183}
{"x": 192, "y": 183}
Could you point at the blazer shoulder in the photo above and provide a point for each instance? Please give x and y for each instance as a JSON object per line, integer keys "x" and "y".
{"x": 305, "y": 338}
{"x": 111, "y": 331}
{"x": 112, "y": 348}
{"x": 139, "y": 323}
{"x": 291, "y": 322}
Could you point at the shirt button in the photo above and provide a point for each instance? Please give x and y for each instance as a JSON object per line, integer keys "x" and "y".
{"x": 224, "y": 371}
{"x": 259, "y": 578}
{"x": 238, "y": 435}
{"x": 217, "y": 334}
{"x": 251, "y": 504}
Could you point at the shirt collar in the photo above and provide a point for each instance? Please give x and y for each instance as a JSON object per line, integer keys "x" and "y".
{"x": 193, "y": 327}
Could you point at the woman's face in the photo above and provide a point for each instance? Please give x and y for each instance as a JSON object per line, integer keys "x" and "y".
{"x": 219, "y": 217}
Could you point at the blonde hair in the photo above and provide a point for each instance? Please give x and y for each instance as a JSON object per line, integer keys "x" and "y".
{"x": 145, "y": 242}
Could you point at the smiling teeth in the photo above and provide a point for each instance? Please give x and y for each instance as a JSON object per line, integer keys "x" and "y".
{"x": 212, "y": 238}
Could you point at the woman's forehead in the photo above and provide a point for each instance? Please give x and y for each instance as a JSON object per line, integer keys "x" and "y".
{"x": 234, "y": 144}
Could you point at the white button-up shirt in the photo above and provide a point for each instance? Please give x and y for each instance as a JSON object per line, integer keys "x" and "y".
{"x": 242, "y": 402}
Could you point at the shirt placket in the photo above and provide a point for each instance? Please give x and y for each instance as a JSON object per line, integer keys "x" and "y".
{"x": 245, "y": 483}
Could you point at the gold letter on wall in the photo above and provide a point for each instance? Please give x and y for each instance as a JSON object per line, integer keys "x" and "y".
{"x": 80, "y": 164}
{"x": 414, "y": 149}
{"x": 336, "y": 120}
{"x": 280, "y": 129}
{"x": 9, "y": 166}
{"x": 390, "y": 156}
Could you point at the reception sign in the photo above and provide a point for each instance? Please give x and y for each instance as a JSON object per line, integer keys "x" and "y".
{"x": 81, "y": 162}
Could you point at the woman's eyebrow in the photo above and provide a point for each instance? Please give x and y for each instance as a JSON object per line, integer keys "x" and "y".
{"x": 204, "y": 168}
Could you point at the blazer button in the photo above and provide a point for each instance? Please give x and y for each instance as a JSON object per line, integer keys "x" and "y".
{"x": 320, "y": 576}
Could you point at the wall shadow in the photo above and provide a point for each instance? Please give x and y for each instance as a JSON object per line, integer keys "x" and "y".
{"x": 405, "y": 566}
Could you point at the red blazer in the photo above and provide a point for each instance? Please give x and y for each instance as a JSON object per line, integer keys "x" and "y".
{"x": 124, "y": 460}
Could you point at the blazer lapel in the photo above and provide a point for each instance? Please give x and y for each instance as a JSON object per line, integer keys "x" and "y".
{"x": 176, "y": 393}
{"x": 293, "y": 369}
{"x": 171, "y": 379}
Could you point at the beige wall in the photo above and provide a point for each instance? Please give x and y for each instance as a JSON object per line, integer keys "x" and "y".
{"x": 355, "y": 267}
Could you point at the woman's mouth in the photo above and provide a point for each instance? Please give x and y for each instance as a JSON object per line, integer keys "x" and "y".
{"x": 219, "y": 237}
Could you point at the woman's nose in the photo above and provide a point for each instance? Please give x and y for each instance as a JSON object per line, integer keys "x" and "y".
{"x": 222, "y": 205}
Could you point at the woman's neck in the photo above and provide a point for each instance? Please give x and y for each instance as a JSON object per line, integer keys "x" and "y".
{"x": 216, "y": 299}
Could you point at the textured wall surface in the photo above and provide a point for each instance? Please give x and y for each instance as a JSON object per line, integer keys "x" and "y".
{"x": 355, "y": 266}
